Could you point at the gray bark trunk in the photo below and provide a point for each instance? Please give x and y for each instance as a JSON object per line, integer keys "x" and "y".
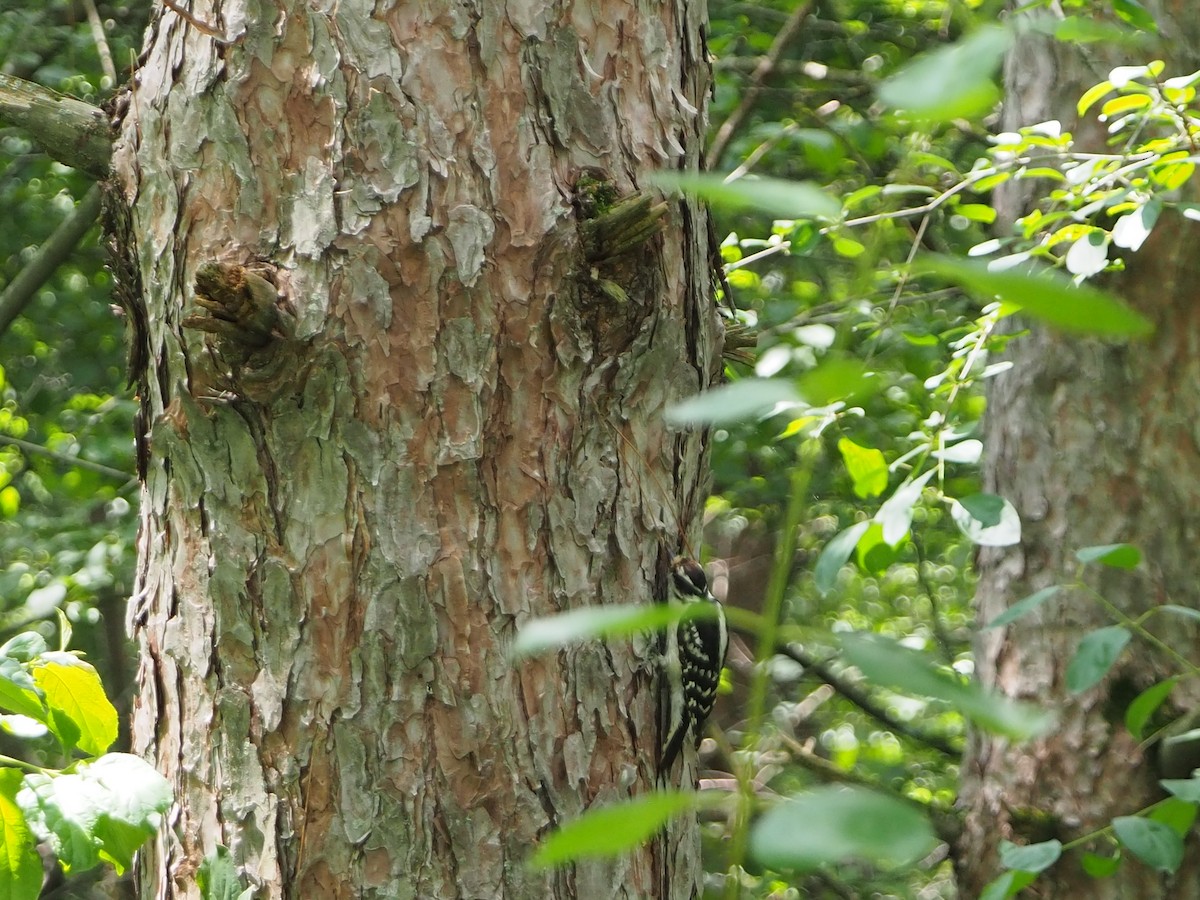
{"x": 1094, "y": 443}
{"x": 345, "y": 522}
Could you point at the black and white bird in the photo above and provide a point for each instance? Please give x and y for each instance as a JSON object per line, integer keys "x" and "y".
{"x": 695, "y": 654}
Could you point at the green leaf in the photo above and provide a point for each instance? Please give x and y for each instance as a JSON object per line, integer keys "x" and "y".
{"x": 104, "y": 811}
{"x": 1145, "y": 704}
{"x": 833, "y": 825}
{"x": 835, "y": 379}
{"x": 25, "y": 647}
{"x": 72, "y": 687}
{"x": 1091, "y": 95}
{"x": 1009, "y": 884}
{"x": 1186, "y": 611}
{"x": 835, "y": 555}
{"x": 1023, "y": 607}
{"x": 20, "y": 864}
{"x": 1117, "y": 556}
{"x": 1030, "y": 857}
{"x": 781, "y": 199}
{"x": 1097, "y": 653}
{"x": 1176, "y": 813}
{"x": 218, "y": 878}
{"x": 895, "y": 515}
{"x": 951, "y": 82}
{"x": 1045, "y": 295}
{"x": 612, "y": 830}
{"x": 890, "y": 665}
{"x": 18, "y": 693}
{"x": 593, "y": 622}
{"x": 873, "y": 553}
{"x": 1186, "y": 789}
{"x": 1135, "y": 14}
{"x": 1100, "y": 866}
{"x": 987, "y": 520}
{"x": 867, "y": 467}
{"x": 1155, "y": 844}
{"x": 749, "y": 398}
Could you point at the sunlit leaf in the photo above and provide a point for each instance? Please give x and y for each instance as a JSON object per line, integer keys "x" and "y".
{"x": 20, "y": 864}
{"x": 73, "y": 687}
{"x": 987, "y": 520}
{"x": 895, "y": 515}
{"x": 594, "y": 622}
{"x": 867, "y": 467}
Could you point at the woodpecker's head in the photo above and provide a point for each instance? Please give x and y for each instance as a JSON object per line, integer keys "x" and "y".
{"x": 689, "y": 579}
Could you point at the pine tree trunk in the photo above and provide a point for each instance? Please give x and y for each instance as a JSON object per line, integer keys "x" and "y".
{"x": 435, "y": 419}
{"x": 1095, "y": 444}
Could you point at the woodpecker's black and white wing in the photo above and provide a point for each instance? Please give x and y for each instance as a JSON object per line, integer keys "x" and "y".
{"x": 695, "y": 653}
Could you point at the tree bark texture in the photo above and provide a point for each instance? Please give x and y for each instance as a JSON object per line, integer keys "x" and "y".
{"x": 1094, "y": 443}
{"x": 441, "y": 427}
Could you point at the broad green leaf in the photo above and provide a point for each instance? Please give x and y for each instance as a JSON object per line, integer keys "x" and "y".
{"x": 1155, "y": 844}
{"x": 1030, "y": 857}
{"x": 1135, "y": 14}
{"x": 1096, "y": 654}
{"x": 611, "y": 830}
{"x": 895, "y": 515}
{"x": 832, "y": 825}
{"x": 976, "y": 212}
{"x": 102, "y": 812}
{"x": 218, "y": 877}
{"x": 1145, "y": 704}
{"x": 72, "y": 687}
{"x": 18, "y": 693}
{"x": 772, "y": 196}
{"x": 835, "y": 379}
{"x": 1125, "y": 103}
{"x": 1186, "y": 789}
{"x": 20, "y": 864}
{"x": 987, "y": 520}
{"x": 951, "y": 82}
{"x": 1118, "y": 556}
{"x": 591, "y": 623}
{"x": 867, "y": 467}
{"x": 1009, "y": 884}
{"x": 1045, "y": 295}
{"x": 1098, "y": 866}
{"x": 749, "y": 398}
{"x": 1176, "y": 813}
{"x": 835, "y": 555}
{"x": 873, "y": 554}
{"x": 1023, "y": 607}
{"x": 888, "y": 664}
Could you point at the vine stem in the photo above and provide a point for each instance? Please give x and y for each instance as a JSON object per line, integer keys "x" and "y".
{"x": 781, "y": 568}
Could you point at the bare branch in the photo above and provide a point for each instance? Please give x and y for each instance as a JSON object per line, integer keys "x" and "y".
{"x": 70, "y": 131}
{"x": 49, "y": 257}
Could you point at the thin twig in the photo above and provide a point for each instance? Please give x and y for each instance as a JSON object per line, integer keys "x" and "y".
{"x": 75, "y": 461}
{"x": 865, "y": 702}
{"x": 761, "y": 72}
{"x": 57, "y": 248}
{"x": 106, "y": 60}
